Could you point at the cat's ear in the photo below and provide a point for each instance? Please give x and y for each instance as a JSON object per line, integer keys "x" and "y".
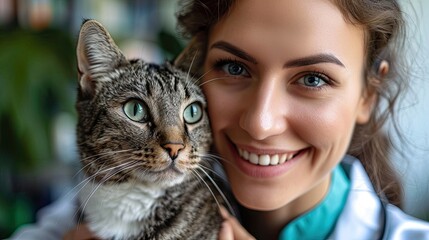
{"x": 192, "y": 57}
{"x": 97, "y": 54}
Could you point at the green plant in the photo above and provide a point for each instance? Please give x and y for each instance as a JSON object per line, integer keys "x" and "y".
{"x": 36, "y": 72}
{"x": 37, "y": 76}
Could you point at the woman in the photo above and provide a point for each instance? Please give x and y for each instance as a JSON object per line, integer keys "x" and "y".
{"x": 303, "y": 81}
{"x": 295, "y": 89}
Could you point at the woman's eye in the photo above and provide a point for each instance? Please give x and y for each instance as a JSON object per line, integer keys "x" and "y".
{"x": 312, "y": 81}
{"x": 193, "y": 113}
{"x": 235, "y": 69}
{"x": 136, "y": 110}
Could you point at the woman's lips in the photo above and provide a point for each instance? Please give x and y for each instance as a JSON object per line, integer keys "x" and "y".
{"x": 266, "y": 159}
{"x": 264, "y": 165}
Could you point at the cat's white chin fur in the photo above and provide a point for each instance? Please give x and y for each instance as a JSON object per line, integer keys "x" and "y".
{"x": 114, "y": 211}
{"x": 162, "y": 180}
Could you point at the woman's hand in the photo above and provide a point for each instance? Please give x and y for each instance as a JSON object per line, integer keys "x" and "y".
{"x": 81, "y": 232}
{"x": 231, "y": 229}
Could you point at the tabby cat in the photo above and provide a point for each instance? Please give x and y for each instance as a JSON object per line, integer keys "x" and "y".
{"x": 142, "y": 131}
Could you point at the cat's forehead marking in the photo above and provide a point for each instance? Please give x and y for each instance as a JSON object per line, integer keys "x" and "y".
{"x": 163, "y": 79}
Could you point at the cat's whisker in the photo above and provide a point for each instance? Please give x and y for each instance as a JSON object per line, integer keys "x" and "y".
{"x": 208, "y": 187}
{"x": 104, "y": 180}
{"x": 102, "y": 169}
{"x": 216, "y": 158}
{"x": 87, "y": 200}
{"x": 211, "y": 170}
{"x": 113, "y": 171}
{"x": 132, "y": 166}
{"x": 202, "y": 75}
{"x": 94, "y": 176}
{"x": 210, "y": 157}
{"x": 219, "y": 190}
{"x": 106, "y": 153}
{"x": 87, "y": 166}
{"x": 211, "y": 80}
{"x": 85, "y": 182}
{"x": 192, "y": 63}
{"x": 98, "y": 157}
{"x": 121, "y": 167}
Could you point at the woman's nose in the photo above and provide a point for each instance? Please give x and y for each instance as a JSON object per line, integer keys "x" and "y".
{"x": 264, "y": 115}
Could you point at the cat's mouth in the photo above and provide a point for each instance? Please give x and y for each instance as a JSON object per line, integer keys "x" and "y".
{"x": 167, "y": 177}
{"x": 170, "y": 169}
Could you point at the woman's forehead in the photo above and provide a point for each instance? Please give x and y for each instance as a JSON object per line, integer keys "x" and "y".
{"x": 290, "y": 27}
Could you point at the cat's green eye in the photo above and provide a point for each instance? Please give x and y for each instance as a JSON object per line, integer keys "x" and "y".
{"x": 136, "y": 110}
{"x": 193, "y": 113}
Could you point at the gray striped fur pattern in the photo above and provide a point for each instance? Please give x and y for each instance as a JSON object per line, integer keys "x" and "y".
{"x": 142, "y": 133}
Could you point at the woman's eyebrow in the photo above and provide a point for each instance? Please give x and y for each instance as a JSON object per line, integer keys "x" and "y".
{"x": 314, "y": 59}
{"x": 305, "y": 61}
{"x": 233, "y": 50}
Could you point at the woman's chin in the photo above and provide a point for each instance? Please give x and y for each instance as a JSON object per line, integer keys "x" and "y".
{"x": 258, "y": 205}
{"x": 257, "y": 195}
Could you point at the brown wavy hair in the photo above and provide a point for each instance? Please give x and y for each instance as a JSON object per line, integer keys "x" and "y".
{"x": 384, "y": 26}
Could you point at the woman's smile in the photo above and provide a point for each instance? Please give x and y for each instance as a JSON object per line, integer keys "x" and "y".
{"x": 266, "y": 165}
{"x": 266, "y": 159}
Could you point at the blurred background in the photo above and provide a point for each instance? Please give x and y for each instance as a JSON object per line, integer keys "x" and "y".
{"x": 38, "y": 157}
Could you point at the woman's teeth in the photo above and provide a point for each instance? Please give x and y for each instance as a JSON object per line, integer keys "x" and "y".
{"x": 265, "y": 159}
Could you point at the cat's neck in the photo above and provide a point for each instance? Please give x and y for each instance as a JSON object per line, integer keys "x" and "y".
{"x": 116, "y": 209}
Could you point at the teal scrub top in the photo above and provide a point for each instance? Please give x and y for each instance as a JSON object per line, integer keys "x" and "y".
{"x": 319, "y": 222}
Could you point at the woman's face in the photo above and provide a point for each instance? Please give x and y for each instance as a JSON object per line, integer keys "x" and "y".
{"x": 284, "y": 83}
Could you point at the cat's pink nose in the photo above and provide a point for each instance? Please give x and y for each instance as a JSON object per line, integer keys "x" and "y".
{"x": 173, "y": 149}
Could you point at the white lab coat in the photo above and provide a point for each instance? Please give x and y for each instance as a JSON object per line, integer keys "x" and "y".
{"x": 366, "y": 216}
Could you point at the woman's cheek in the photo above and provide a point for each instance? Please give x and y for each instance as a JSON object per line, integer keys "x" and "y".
{"x": 222, "y": 105}
{"x": 323, "y": 125}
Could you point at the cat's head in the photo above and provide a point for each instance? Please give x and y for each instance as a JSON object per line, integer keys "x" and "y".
{"x": 136, "y": 121}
